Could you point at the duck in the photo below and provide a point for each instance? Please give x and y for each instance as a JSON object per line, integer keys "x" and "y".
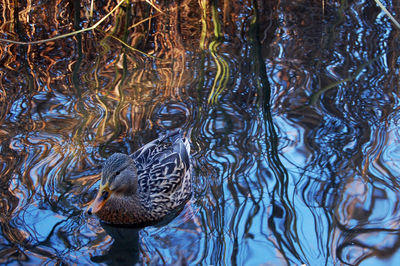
{"x": 146, "y": 186}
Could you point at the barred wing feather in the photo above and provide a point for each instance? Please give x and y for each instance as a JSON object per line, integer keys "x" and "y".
{"x": 164, "y": 168}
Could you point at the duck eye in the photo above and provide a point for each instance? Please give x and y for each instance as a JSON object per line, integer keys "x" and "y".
{"x": 104, "y": 195}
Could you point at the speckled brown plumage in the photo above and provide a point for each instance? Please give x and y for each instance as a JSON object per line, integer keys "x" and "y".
{"x": 124, "y": 210}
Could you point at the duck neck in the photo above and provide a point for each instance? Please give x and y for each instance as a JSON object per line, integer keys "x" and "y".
{"x": 124, "y": 209}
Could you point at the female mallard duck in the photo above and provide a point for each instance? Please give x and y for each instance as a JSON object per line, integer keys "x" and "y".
{"x": 145, "y": 186}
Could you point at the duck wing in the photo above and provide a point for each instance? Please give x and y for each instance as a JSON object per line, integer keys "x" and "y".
{"x": 164, "y": 170}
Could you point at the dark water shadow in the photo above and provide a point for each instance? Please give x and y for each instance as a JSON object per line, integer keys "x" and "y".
{"x": 125, "y": 248}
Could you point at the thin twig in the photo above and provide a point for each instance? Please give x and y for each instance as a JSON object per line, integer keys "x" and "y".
{"x": 67, "y": 34}
{"x": 134, "y": 49}
{"x": 388, "y": 14}
{"x": 143, "y": 20}
{"x": 153, "y": 5}
{"x": 91, "y": 9}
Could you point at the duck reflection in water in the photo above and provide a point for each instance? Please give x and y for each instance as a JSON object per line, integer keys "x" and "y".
{"x": 148, "y": 187}
{"x": 125, "y": 249}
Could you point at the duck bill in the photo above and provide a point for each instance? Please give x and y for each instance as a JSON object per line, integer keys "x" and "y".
{"x": 102, "y": 196}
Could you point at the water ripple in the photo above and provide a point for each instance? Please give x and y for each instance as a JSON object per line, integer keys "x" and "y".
{"x": 305, "y": 176}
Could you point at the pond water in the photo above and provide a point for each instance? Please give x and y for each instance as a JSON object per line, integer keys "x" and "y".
{"x": 292, "y": 108}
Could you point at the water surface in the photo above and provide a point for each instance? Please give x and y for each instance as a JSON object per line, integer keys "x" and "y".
{"x": 292, "y": 109}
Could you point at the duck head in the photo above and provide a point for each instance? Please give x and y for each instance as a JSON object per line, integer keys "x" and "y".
{"x": 118, "y": 179}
